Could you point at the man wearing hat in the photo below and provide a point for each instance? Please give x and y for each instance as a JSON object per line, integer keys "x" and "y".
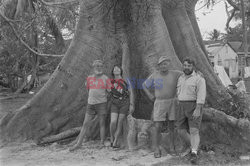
{"x": 97, "y": 102}
{"x": 160, "y": 87}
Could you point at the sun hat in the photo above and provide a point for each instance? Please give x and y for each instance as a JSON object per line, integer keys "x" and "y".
{"x": 162, "y": 59}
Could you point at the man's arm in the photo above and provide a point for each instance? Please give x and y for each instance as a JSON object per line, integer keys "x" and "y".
{"x": 201, "y": 96}
{"x": 201, "y": 91}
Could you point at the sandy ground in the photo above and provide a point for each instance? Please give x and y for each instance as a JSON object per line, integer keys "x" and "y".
{"x": 92, "y": 153}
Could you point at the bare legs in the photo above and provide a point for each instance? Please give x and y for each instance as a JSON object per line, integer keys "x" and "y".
{"x": 113, "y": 124}
{"x": 156, "y": 138}
{"x": 119, "y": 128}
{"x": 185, "y": 136}
{"x": 116, "y": 127}
{"x": 172, "y": 135}
{"x": 85, "y": 127}
{"x": 194, "y": 139}
{"x": 86, "y": 123}
{"x": 102, "y": 119}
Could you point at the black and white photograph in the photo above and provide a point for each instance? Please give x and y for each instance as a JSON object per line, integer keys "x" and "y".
{"x": 124, "y": 82}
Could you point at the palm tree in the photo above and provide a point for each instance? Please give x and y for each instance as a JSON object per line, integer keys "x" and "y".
{"x": 215, "y": 35}
{"x": 144, "y": 31}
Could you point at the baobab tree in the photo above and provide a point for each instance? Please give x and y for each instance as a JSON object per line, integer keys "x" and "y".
{"x": 137, "y": 31}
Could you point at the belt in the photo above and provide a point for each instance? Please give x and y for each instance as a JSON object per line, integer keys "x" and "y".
{"x": 187, "y": 101}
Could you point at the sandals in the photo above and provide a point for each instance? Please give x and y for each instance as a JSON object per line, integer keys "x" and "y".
{"x": 116, "y": 146}
{"x": 157, "y": 154}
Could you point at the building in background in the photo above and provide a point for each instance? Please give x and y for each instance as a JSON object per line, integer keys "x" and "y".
{"x": 222, "y": 54}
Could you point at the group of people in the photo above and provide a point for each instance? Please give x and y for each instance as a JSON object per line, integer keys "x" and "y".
{"x": 100, "y": 89}
{"x": 178, "y": 99}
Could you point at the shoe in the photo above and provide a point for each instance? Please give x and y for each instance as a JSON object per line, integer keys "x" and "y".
{"x": 116, "y": 146}
{"x": 157, "y": 154}
{"x": 193, "y": 158}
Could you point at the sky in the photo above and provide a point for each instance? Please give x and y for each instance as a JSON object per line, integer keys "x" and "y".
{"x": 213, "y": 18}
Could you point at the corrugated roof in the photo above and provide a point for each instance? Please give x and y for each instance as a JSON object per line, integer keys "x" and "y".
{"x": 235, "y": 45}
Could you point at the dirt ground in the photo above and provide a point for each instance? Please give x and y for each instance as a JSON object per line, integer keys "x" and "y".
{"x": 92, "y": 153}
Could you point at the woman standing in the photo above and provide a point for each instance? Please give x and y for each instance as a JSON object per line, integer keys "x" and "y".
{"x": 120, "y": 104}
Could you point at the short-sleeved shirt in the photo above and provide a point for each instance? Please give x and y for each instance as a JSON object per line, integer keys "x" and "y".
{"x": 164, "y": 85}
{"x": 97, "y": 89}
{"x": 191, "y": 88}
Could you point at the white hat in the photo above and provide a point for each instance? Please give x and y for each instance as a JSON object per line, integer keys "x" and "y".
{"x": 162, "y": 59}
{"x": 97, "y": 62}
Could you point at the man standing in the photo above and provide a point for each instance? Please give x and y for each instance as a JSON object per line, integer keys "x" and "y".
{"x": 97, "y": 102}
{"x": 191, "y": 93}
{"x": 163, "y": 82}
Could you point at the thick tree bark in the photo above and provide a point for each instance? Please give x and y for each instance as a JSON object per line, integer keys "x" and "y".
{"x": 216, "y": 128}
{"x": 56, "y": 106}
{"x": 190, "y": 8}
{"x": 61, "y": 136}
{"x": 186, "y": 45}
{"x": 148, "y": 40}
{"x": 220, "y": 128}
{"x": 146, "y": 36}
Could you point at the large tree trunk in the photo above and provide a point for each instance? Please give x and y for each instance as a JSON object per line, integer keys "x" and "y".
{"x": 186, "y": 45}
{"x": 141, "y": 35}
{"x": 56, "y": 107}
{"x": 148, "y": 40}
{"x": 190, "y": 8}
{"x": 217, "y": 129}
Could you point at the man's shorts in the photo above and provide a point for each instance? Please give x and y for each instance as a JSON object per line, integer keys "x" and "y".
{"x": 93, "y": 109}
{"x": 185, "y": 118}
{"x": 164, "y": 108}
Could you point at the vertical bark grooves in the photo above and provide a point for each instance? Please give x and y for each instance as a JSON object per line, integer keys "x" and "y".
{"x": 57, "y": 104}
{"x": 148, "y": 40}
{"x": 126, "y": 58}
{"x": 186, "y": 45}
{"x": 148, "y": 29}
{"x": 190, "y": 8}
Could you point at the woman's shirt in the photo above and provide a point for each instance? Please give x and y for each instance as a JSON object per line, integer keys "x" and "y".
{"x": 119, "y": 89}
